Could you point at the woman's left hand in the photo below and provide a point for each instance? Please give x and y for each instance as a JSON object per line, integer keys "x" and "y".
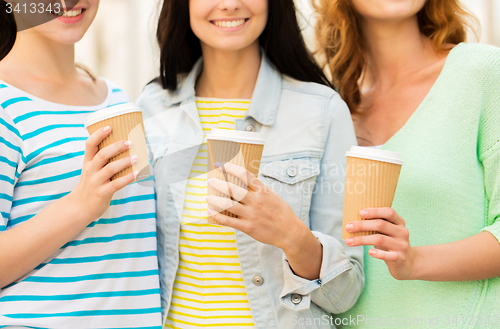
{"x": 392, "y": 243}
{"x": 262, "y": 214}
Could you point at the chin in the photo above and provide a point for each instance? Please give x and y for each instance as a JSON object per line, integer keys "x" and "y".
{"x": 391, "y": 10}
{"x": 62, "y": 35}
{"x": 232, "y": 48}
{"x": 232, "y": 45}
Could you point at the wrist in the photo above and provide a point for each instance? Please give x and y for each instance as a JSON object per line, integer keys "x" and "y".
{"x": 304, "y": 253}
{"x": 79, "y": 212}
{"x": 299, "y": 240}
{"x": 416, "y": 271}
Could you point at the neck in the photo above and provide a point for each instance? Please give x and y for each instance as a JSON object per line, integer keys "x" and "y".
{"x": 394, "y": 50}
{"x": 51, "y": 61}
{"x": 229, "y": 74}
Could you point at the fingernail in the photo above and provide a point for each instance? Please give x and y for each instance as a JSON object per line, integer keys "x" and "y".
{"x": 363, "y": 213}
{"x": 349, "y": 227}
{"x": 134, "y": 158}
{"x": 136, "y": 173}
{"x": 372, "y": 252}
{"x": 208, "y": 181}
{"x": 217, "y": 164}
{"x": 106, "y": 129}
{"x": 209, "y": 210}
{"x": 349, "y": 240}
{"x": 128, "y": 143}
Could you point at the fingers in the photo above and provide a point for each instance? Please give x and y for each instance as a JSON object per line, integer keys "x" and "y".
{"x": 220, "y": 204}
{"x": 244, "y": 175}
{"x": 377, "y": 225}
{"x": 237, "y": 192}
{"x": 380, "y": 240}
{"x": 115, "y": 167}
{"x": 382, "y": 213}
{"x": 92, "y": 143}
{"x": 102, "y": 157}
{"x": 235, "y": 223}
{"x": 119, "y": 183}
{"x": 388, "y": 256}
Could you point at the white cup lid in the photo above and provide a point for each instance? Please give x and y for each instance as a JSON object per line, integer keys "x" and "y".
{"x": 375, "y": 154}
{"x": 237, "y": 136}
{"x": 110, "y": 112}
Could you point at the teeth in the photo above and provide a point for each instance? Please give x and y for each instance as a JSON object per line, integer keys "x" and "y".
{"x": 71, "y": 13}
{"x": 229, "y": 24}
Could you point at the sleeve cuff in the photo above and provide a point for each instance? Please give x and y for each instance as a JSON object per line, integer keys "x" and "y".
{"x": 296, "y": 292}
{"x": 494, "y": 229}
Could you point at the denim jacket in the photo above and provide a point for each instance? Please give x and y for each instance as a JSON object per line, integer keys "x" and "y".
{"x": 308, "y": 129}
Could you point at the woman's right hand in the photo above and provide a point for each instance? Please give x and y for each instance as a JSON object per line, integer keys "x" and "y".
{"x": 94, "y": 191}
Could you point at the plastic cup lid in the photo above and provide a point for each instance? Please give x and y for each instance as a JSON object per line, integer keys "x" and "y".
{"x": 110, "y": 112}
{"x": 375, "y": 154}
{"x": 237, "y": 136}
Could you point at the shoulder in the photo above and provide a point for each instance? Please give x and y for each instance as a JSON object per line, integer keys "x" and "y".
{"x": 476, "y": 59}
{"x": 14, "y": 102}
{"x": 316, "y": 98}
{"x": 153, "y": 91}
{"x": 155, "y": 99}
{"x": 8, "y": 129}
{"x": 8, "y": 92}
{"x": 116, "y": 93}
{"x": 307, "y": 88}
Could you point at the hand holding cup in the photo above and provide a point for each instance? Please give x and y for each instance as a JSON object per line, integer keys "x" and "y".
{"x": 95, "y": 189}
{"x": 391, "y": 242}
{"x": 260, "y": 212}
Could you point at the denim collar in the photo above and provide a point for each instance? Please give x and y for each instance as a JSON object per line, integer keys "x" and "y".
{"x": 265, "y": 98}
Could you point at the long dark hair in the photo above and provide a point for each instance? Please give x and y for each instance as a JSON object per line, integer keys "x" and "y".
{"x": 281, "y": 40}
{"x": 8, "y": 30}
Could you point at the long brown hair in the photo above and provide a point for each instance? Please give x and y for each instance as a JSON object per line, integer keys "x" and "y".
{"x": 281, "y": 40}
{"x": 343, "y": 48}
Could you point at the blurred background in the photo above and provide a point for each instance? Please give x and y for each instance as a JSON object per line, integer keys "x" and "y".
{"x": 121, "y": 44}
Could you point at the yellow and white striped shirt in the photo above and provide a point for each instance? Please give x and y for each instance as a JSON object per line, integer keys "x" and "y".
{"x": 208, "y": 290}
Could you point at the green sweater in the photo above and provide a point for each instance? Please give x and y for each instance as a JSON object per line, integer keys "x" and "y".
{"x": 449, "y": 189}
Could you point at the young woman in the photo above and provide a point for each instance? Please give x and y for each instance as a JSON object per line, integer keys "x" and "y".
{"x": 413, "y": 87}
{"x": 76, "y": 250}
{"x": 242, "y": 64}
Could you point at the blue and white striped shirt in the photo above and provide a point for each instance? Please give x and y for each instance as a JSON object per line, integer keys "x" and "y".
{"x": 107, "y": 276}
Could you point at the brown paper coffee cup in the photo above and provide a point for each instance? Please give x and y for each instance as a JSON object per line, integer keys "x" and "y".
{"x": 126, "y": 123}
{"x": 237, "y": 147}
{"x": 371, "y": 179}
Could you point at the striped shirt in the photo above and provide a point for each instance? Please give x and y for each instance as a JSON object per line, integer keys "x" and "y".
{"x": 208, "y": 289}
{"x": 107, "y": 276}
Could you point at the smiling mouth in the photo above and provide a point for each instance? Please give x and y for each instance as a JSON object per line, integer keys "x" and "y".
{"x": 230, "y": 24}
{"x": 70, "y": 13}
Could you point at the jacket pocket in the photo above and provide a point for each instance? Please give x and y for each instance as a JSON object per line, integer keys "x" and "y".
{"x": 294, "y": 181}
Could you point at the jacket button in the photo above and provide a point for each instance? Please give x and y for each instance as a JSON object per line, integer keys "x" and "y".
{"x": 291, "y": 171}
{"x": 258, "y": 280}
{"x": 296, "y": 299}
{"x": 250, "y": 128}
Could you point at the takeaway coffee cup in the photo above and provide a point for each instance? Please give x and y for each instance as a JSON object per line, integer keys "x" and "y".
{"x": 371, "y": 179}
{"x": 126, "y": 123}
{"x": 238, "y": 147}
